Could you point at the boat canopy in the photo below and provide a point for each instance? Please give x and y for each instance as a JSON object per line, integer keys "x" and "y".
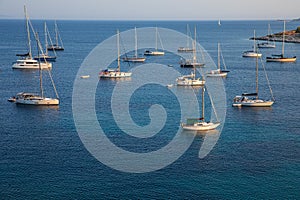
{"x": 22, "y": 55}
{"x": 249, "y": 94}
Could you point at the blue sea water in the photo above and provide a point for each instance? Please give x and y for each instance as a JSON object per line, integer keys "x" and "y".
{"x": 256, "y": 157}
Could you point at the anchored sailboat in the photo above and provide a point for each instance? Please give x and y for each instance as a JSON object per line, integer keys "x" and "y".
{"x": 252, "y": 53}
{"x": 193, "y": 62}
{"x": 186, "y": 49}
{"x": 45, "y": 56}
{"x": 281, "y": 57}
{"x": 244, "y": 99}
{"x": 27, "y": 98}
{"x": 27, "y": 61}
{"x": 156, "y": 52}
{"x": 218, "y": 72}
{"x": 115, "y": 73}
{"x": 135, "y": 58}
{"x": 199, "y": 124}
{"x": 56, "y": 46}
{"x": 191, "y": 80}
{"x": 267, "y": 44}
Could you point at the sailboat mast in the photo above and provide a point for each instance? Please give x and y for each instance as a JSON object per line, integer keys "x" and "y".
{"x": 46, "y": 40}
{"x": 194, "y": 46}
{"x": 254, "y": 43}
{"x": 156, "y": 39}
{"x": 203, "y": 111}
{"x": 135, "y": 42}
{"x": 283, "y": 38}
{"x": 219, "y": 59}
{"x": 118, "y": 44}
{"x": 256, "y": 77}
{"x": 28, "y": 32}
{"x": 39, "y": 61}
{"x": 56, "y": 34}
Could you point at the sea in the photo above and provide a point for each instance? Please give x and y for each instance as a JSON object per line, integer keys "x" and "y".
{"x": 44, "y": 153}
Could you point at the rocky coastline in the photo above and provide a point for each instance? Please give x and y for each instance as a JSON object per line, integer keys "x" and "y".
{"x": 290, "y": 37}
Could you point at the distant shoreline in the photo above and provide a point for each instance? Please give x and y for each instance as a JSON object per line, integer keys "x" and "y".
{"x": 290, "y": 37}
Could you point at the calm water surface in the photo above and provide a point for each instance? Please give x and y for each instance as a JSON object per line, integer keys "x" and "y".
{"x": 256, "y": 157}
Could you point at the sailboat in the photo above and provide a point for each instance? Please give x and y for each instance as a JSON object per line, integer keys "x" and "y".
{"x": 115, "y": 73}
{"x": 245, "y": 101}
{"x": 37, "y": 99}
{"x": 218, "y": 72}
{"x": 27, "y": 61}
{"x": 56, "y": 46}
{"x": 135, "y": 58}
{"x": 45, "y": 56}
{"x": 254, "y": 52}
{"x": 193, "y": 62}
{"x": 186, "y": 49}
{"x": 281, "y": 57}
{"x": 156, "y": 52}
{"x": 191, "y": 80}
{"x": 267, "y": 44}
{"x": 199, "y": 124}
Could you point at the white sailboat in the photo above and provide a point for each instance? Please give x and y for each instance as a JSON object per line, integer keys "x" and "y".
{"x": 245, "y": 101}
{"x": 27, "y": 61}
{"x": 135, "y": 58}
{"x": 156, "y": 52}
{"x": 28, "y": 98}
{"x": 199, "y": 124}
{"x": 193, "y": 62}
{"x": 46, "y": 56}
{"x": 267, "y": 44}
{"x": 252, "y": 53}
{"x": 186, "y": 49}
{"x": 56, "y": 46}
{"x": 115, "y": 73}
{"x": 191, "y": 80}
{"x": 218, "y": 72}
{"x": 281, "y": 57}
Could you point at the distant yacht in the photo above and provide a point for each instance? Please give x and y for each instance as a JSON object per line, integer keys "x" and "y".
{"x": 134, "y": 58}
{"x": 115, "y": 73}
{"x": 56, "y": 46}
{"x": 27, "y": 61}
{"x": 252, "y": 53}
{"x": 267, "y": 44}
{"x": 200, "y": 124}
{"x": 156, "y": 52}
{"x": 186, "y": 49}
{"x": 281, "y": 57}
{"x": 245, "y": 101}
{"x": 218, "y": 72}
{"x": 46, "y": 56}
{"x": 28, "y": 98}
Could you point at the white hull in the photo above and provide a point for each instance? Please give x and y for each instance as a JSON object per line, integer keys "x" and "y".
{"x": 185, "y": 50}
{"x": 252, "y": 54}
{"x": 217, "y": 73}
{"x": 134, "y": 59}
{"x": 115, "y": 75}
{"x": 240, "y": 101}
{"x": 266, "y": 45}
{"x": 189, "y": 82}
{"x": 32, "y": 99}
{"x": 154, "y": 53}
{"x": 30, "y": 64}
{"x": 38, "y": 102}
{"x": 200, "y": 126}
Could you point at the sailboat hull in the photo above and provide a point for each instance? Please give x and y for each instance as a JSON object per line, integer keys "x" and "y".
{"x": 257, "y": 103}
{"x": 280, "y": 59}
{"x": 200, "y": 126}
{"x": 30, "y": 64}
{"x": 31, "y": 99}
